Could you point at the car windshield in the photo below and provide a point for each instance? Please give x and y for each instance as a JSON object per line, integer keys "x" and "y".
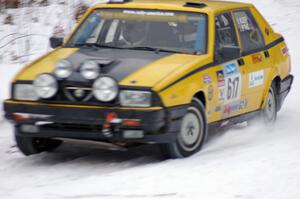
{"x": 154, "y": 30}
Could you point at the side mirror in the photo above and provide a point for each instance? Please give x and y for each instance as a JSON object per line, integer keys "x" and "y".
{"x": 228, "y": 52}
{"x": 56, "y": 42}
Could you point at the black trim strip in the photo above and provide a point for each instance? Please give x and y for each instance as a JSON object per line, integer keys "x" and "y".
{"x": 267, "y": 47}
{"x": 214, "y": 63}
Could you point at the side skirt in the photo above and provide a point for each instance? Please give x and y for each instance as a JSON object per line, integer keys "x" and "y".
{"x": 234, "y": 120}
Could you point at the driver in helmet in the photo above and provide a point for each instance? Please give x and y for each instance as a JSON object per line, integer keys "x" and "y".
{"x": 134, "y": 33}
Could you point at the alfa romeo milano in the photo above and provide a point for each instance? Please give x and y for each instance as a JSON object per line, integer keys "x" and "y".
{"x": 152, "y": 72}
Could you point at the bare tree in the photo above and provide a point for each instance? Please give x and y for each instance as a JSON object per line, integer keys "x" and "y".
{"x": 10, "y": 3}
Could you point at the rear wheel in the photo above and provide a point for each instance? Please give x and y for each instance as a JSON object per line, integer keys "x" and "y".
{"x": 192, "y": 133}
{"x": 30, "y": 145}
{"x": 269, "y": 112}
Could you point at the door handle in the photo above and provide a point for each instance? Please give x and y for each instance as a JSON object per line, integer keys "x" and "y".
{"x": 241, "y": 62}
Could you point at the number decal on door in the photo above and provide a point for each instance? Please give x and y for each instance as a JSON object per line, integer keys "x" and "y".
{"x": 233, "y": 88}
{"x": 233, "y": 82}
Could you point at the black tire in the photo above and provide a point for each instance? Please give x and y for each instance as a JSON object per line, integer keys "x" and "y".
{"x": 189, "y": 142}
{"x": 31, "y": 145}
{"x": 269, "y": 112}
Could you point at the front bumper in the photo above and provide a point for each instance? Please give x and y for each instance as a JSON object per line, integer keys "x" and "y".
{"x": 159, "y": 125}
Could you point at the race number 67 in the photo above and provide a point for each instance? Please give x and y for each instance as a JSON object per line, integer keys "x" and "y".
{"x": 233, "y": 87}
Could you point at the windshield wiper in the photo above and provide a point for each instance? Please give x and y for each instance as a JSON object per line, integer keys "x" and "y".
{"x": 156, "y": 50}
{"x": 148, "y": 48}
{"x": 95, "y": 45}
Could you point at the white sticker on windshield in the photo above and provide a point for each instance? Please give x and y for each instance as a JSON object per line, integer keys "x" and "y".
{"x": 148, "y": 13}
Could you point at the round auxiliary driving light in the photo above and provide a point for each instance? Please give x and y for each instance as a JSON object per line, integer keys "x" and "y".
{"x": 63, "y": 69}
{"x": 105, "y": 89}
{"x": 90, "y": 70}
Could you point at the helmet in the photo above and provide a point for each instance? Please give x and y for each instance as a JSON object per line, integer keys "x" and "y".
{"x": 134, "y": 32}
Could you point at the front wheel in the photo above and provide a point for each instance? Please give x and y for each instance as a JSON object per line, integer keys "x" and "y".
{"x": 31, "y": 145}
{"x": 192, "y": 133}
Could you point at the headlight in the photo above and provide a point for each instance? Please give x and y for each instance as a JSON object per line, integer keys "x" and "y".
{"x": 24, "y": 92}
{"x": 45, "y": 86}
{"x": 90, "y": 70}
{"x": 135, "y": 98}
{"x": 105, "y": 89}
{"x": 63, "y": 69}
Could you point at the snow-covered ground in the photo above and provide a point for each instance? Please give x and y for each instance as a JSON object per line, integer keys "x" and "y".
{"x": 253, "y": 162}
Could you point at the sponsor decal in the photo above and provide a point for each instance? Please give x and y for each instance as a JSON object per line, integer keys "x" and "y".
{"x": 230, "y": 68}
{"x": 207, "y": 79}
{"x": 221, "y": 93}
{"x": 234, "y": 107}
{"x": 220, "y": 78}
{"x": 257, "y": 58}
{"x": 218, "y": 108}
{"x": 210, "y": 92}
{"x": 242, "y": 21}
{"x": 243, "y": 104}
{"x": 209, "y": 113}
{"x": 285, "y": 50}
{"x": 232, "y": 82}
{"x": 256, "y": 78}
{"x": 231, "y": 90}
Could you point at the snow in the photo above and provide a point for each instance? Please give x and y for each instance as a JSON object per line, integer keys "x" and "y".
{"x": 245, "y": 162}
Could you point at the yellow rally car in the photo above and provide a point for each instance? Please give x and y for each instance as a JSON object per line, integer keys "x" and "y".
{"x": 155, "y": 72}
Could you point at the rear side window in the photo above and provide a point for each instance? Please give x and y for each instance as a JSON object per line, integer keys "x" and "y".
{"x": 250, "y": 34}
{"x": 225, "y": 32}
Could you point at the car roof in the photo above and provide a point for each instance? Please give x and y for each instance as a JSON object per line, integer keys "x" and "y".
{"x": 211, "y": 6}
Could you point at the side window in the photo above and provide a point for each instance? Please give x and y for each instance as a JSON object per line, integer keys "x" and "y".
{"x": 225, "y": 32}
{"x": 250, "y": 34}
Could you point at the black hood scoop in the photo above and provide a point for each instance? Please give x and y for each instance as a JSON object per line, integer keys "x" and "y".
{"x": 117, "y": 63}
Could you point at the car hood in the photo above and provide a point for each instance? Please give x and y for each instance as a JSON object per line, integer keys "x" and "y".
{"x": 129, "y": 67}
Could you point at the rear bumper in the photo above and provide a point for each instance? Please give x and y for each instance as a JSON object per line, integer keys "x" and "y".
{"x": 285, "y": 88}
{"x": 158, "y": 125}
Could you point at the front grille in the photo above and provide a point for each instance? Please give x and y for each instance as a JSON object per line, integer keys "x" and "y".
{"x": 75, "y": 93}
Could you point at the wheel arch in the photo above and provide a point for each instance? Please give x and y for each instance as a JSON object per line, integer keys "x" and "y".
{"x": 200, "y": 95}
{"x": 276, "y": 80}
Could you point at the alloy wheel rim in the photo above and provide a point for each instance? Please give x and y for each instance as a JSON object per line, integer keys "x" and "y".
{"x": 191, "y": 132}
{"x": 270, "y": 107}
